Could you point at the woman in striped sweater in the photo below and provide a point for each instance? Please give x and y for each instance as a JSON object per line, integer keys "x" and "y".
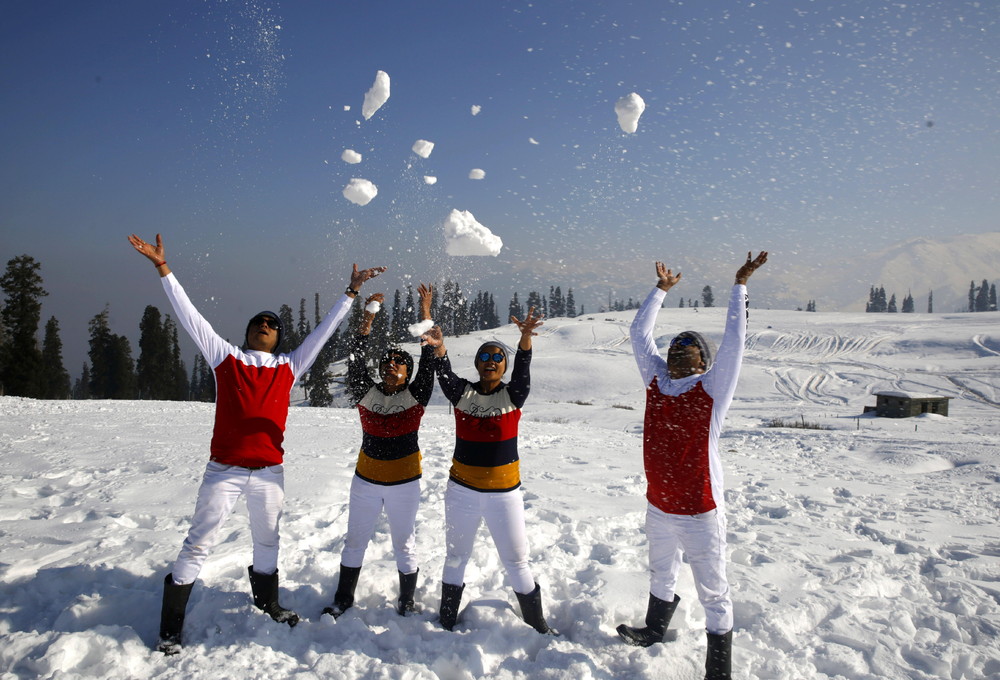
{"x": 485, "y": 481}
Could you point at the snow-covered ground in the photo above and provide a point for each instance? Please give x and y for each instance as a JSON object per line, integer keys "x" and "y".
{"x": 867, "y": 550}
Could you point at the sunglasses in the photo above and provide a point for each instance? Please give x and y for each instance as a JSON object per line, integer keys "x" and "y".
{"x": 269, "y": 321}
{"x": 683, "y": 342}
{"x": 496, "y": 356}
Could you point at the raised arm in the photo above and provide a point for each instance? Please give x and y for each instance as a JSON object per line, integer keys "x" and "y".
{"x": 305, "y": 354}
{"x": 725, "y": 372}
{"x": 647, "y": 356}
{"x": 749, "y": 267}
{"x": 527, "y": 328}
{"x": 426, "y": 293}
{"x": 154, "y": 254}
{"x": 372, "y": 306}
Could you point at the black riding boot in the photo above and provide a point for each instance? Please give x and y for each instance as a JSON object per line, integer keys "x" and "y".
{"x": 343, "y": 599}
{"x": 407, "y": 587}
{"x": 265, "y": 597}
{"x": 719, "y": 660}
{"x": 531, "y": 610}
{"x": 175, "y": 599}
{"x": 451, "y": 598}
{"x": 658, "y": 615}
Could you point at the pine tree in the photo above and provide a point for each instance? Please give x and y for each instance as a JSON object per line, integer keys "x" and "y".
{"x": 81, "y": 389}
{"x": 534, "y": 300}
{"x": 972, "y": 296}
{"x": 397, "y": 330}
{"x": 289, "y": 335}
{"x": 20, "y": 357}
{"x": 992, "y": 304}
{"x": 908, "y": 303}
{"x": 930, "y": 302}
{"x": 410, "y": 310}
{"x": 112, "y": 372}
{"x": 707, "y": 299}
{"x": 55, "y": 378}
{"x": 202, "y": 380}
{"x": 983, "y": 297}
{"x": 892, "y": 304}
{"x": 515, "y": 308}
{"x": 152, "y": 375}
{"x": 179, "y": 387}
{"x": 570, "y": 304}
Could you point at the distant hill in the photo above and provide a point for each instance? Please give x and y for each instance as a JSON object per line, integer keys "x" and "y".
{"x": 918, "y": 266}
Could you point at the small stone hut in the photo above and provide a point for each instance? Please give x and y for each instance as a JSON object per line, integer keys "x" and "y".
{"x": 908, "y": 404}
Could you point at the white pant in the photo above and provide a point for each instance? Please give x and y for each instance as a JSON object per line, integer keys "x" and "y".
{"x": 367, "y": 500}
{"x": 221, "y": 487}
{"x": 702, "y": 538}
{"x": 464, "y": 511}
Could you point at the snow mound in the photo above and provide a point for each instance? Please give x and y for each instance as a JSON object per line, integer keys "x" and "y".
{"x": 465, "y": 236}
{"x": 376, "y": 96}
{"x": 360, "y": 191}
{"x": 419, "y": 328}
{"x": 628, "y": 109}
{"x": 423, "y": 148}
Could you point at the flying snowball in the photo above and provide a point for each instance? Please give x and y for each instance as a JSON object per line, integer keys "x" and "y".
{"x": 373, "y": 307}
{"x": 430, "y": 179}
{"x": 423, "y": 148}
{"x": 465, "y": 236}
{"x": 476, "y": 108}
{"x": 360, "y": 191}
{"x": 419, "y": 328}
{"x": 476, "y": 173}
{"x": 532, "y": 140}
{"x": 628, "y": 110}
{"x": 377, "y": 95}
{"x": 350, "y": 156}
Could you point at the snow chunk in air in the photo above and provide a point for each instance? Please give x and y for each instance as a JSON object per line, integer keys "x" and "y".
{"x": 350, "y": 156}
{"x": 465, "y": 236}
{"x": 628, "y": 109}
{"x": 476, "y": 173}
{"x": 430, "y": 179}
{"x": 476, "y": 108}
{"x": 423, "y": 148}
{"x": 377, "y": 95}
{"x": 419, "y": 328}
{"x": 360, "y": 191}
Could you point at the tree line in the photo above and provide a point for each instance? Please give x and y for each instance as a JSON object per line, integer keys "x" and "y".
{"x": 159, "y": 372}
{"x": 982, "y": 298}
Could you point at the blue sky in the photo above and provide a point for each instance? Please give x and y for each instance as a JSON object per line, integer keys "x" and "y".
{"x": 802, "y": 127}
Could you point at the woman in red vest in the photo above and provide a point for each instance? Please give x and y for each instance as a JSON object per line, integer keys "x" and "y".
{"x": 687, "y": 397}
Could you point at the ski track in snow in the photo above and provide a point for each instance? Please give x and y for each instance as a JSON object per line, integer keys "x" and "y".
{"x": 868, "y": 550}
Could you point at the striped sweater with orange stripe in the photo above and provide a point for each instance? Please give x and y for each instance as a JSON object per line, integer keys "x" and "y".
{"x": 390, "y": 451}
{"x": 486, "y": 426}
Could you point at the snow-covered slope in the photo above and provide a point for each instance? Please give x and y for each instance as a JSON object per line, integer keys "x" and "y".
{"x": 867, "y": 550}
